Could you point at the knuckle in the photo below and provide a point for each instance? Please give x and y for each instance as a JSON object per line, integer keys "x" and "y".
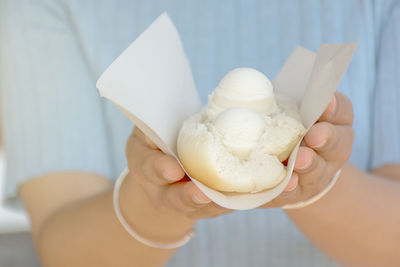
{"x": 325, "y": 129}
{"x": 329, "y": 131}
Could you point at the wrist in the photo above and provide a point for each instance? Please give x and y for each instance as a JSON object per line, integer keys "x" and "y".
{"x": 149, "y": 217}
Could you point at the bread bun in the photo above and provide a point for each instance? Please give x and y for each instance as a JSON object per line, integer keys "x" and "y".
{"x": 238, "y": 146}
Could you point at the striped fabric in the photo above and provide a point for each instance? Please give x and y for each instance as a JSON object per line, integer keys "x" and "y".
{"x": 52, "y": 52}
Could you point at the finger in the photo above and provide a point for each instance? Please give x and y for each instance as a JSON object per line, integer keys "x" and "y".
{"x": 294, "y": 179}
{"x": 307, "y": 161}
{"x": 149, "y": 163}
{"x": 205, "y": 207}
{"x": 138, "y": 140}
{"x": 185, "y": 197}
{"x": 332, "y": 142}
{"x": 168, "y": 168}
{"x": 153, "y": 166}
{"x": 160, "y": 169}
{"x": 304, "y": 159}
{"x": 339, "y": 110}
{"x": 284, "y": 198}
{"x": 197, "y": 196}
{"x": 137, "y": 133}
{"x": 209, "y": 211}
{"x": 311, "y": 168}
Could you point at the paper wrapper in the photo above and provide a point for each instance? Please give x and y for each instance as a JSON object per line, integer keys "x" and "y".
{"x": 152, "y": 83}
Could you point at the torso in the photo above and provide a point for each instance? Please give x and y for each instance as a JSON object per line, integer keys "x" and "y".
{"x": 219, "y": 36}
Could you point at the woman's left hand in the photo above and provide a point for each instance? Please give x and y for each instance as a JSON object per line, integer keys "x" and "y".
{"x": 324, "y": 150}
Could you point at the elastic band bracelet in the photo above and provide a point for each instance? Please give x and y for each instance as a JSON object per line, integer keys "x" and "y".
{"x": 305, "y": 203}
{"x": 134, "y": 234}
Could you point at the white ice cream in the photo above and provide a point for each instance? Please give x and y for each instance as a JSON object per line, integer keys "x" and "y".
{"x": 240, "y": 129}
{"x": 237, "y": 143}
{"x": 242, "y": 87}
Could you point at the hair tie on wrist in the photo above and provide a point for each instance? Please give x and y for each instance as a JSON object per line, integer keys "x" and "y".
{"x": 305, "y": 203}
{"x": 133, "y": 233}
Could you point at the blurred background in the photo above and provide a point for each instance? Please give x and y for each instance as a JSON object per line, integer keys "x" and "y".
{"x": 217, "y": 38}
{"x": 16, "y": 248}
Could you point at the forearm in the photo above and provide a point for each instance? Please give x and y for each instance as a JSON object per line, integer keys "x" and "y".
{"x": 357, "y": 222}
{"x": 80, "y": 227}
{"x": 88, "y": 234}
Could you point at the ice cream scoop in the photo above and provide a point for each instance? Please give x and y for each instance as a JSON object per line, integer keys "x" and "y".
{"x": 238, "y": 141}
{"x": 240, "y": 128}
{"x": 242, "y": 87}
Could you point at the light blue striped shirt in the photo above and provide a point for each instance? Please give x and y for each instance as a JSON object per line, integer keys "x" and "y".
{"x": 52, "y": 52}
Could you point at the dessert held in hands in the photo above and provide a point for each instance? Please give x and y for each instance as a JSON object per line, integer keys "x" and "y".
{"x": 239, "y": 141}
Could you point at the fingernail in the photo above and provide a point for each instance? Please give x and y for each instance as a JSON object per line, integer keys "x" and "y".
{"x": 305, "y": 166}
{"x": 321, "y": 144}
{"x": 200, "y": 200}
{"x": 290, "y": 189}
{"x": 294, "y": 180}
{"x": 169, "y": 177}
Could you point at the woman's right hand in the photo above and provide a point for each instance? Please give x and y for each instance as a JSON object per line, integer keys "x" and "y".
{"x": 152, "y": 200}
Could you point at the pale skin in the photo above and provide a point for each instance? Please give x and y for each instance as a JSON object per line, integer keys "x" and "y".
{"x": 356, "y": 223}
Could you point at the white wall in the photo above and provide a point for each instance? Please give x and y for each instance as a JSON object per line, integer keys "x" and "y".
{"x": 10, "y": 221}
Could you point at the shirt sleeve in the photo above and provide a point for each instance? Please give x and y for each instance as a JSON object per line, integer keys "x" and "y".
{"x": 52, "y": 113}
{"x": 386, "y": 101}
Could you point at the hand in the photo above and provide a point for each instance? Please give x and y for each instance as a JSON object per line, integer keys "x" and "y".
{"x": 157, "y": 199}
{"x": 324, "y": 150}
